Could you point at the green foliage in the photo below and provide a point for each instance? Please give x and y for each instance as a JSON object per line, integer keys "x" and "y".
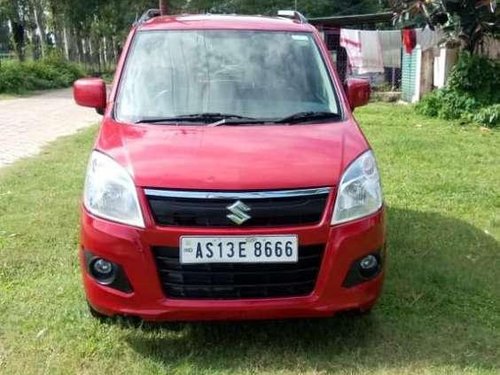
{"x": 70, "y": 25}
{"x": 466, "y": 22}
{"x": 488, "y": 116}
{"x": 11, "y": 76}
{"x": 477, "y": 76}
{"x": 310, "y": 8}
{"x": 52, "y": 72}
{"x": 471, "y": 94}
{"x": 447, "y": 104}
{"x": 430, "y": 104}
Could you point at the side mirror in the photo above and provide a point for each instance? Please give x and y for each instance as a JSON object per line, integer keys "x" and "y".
{"x": 358, "y": 92}
{"x": 90, "y": 92}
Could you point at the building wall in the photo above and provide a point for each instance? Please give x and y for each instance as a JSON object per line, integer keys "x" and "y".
{"x": 410, "y": 72}
{"x": 427, "y": 72}
{"x": 443, "y": 63}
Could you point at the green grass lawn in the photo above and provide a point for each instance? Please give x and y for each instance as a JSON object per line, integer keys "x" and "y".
{"x": 439, "y": 314}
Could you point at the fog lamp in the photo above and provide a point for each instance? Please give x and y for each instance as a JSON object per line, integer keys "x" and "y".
{"x": 368, "y": 266}
{"x": 103, "y": 270}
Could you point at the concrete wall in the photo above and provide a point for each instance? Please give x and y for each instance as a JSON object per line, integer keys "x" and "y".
{"x": 443, "y": 63}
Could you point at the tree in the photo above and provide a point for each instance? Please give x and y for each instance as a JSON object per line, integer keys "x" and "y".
{"x": 466, "y": 22}
{"x": 15, "y": 12}
{"x": 310, "y": 8}
{"x": 92, "y": 31}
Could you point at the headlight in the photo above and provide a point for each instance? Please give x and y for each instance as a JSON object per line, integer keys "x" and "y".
{"x": 110, "y": 192}
{"x": 359, "y": 193}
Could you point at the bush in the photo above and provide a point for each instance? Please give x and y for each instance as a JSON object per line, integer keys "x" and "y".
{"x": 12, "y": 77}
{"x": 477, "y": 76}
{"x": 49, "y": 73}
{"x": 448, "y": 104}
{"x": 471, "y": 94}
{"x": 430, "y": 105}
{"x": 488, "y": 116}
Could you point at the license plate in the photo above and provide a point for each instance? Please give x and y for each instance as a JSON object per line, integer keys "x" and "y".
{"x": 239, "y": 249}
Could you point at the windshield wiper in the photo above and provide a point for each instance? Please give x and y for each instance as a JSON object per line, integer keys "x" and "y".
{"x": 197, "y": 117}
{"x": 240, "y": 121}
{"x": 218, "y": 119}
{"x": 301, "y": 117}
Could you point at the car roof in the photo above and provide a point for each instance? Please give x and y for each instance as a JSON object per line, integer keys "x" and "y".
{"x": 231, "y": 22}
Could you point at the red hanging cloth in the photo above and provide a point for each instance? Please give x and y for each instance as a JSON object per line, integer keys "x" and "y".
{"x": 409, "y": 39}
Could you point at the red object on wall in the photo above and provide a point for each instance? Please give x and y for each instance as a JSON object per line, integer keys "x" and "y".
{"x": 409, "y": 40}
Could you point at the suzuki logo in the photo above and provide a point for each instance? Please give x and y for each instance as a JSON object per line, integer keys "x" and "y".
{"x": 238, "y": 212}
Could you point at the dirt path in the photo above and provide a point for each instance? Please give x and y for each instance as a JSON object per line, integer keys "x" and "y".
{"x": 27, "y": 124}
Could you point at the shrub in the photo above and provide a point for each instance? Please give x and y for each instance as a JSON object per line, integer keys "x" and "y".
{"x": 11, "y": 77}
{"x": 49, "y": 73}
{"x": 471, "y": 94}
{"x": 447, "y": 104}
{"x": 430, "y": 104}
{"x": 477, "y": 76}
{"x": 488, "y": 116}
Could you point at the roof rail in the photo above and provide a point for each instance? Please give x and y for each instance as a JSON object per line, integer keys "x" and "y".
{"x": 292, "y": 14}
{"x": 147, "y": 15}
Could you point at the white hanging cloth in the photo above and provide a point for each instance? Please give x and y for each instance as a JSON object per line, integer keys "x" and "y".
{"x": 428, "y": 39}
{"x": 363, "y": 49}
{"x": 351, "y": 40}
{"x": 390, "y": 41}
{"x": 371, "y": 53}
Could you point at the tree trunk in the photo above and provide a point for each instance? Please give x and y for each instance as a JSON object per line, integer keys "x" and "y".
{"x": 66, "y": 44}
{"x": 34, "y": 37}
{"x": 79, "y": 47}
{"x": 39, "y": 18}
{"x": 59, "y": 30}
{"x": 19, "y": 39}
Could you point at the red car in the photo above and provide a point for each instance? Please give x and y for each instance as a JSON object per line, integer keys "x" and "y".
{"x": 229, "y": 179}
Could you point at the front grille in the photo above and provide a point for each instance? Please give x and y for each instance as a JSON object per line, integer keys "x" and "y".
{"x": 206, "y": 209}
{"x": 237, "y": 280}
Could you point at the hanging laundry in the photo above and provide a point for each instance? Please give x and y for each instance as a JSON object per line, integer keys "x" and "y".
{"x": 390, "y": 41}
{"x": 428, "y": 38}
{"x": 371, "y": 53}
{"x": 363, "y": 49}
{"x": 409, "y": 40}
{"x": 351, "y": 41}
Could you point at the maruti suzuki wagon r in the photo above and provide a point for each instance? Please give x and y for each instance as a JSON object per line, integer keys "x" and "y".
{"x": 229, "y": 179}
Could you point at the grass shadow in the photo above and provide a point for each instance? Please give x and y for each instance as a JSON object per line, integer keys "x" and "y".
{"x": 438, "y": 309}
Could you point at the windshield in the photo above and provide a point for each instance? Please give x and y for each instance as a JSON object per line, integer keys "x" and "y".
{"x": 252, "y": 74}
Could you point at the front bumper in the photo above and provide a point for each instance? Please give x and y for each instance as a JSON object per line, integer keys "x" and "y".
{"x": 131, "y": 249}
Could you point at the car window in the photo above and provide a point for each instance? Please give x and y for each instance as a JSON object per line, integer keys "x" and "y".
{"x": 255, "y": 74}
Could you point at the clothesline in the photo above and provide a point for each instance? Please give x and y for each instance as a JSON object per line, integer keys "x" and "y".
{"x": 369, "y": 51}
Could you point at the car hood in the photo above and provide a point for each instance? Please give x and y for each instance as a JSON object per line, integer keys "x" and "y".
{"x": 233, "y": 157}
